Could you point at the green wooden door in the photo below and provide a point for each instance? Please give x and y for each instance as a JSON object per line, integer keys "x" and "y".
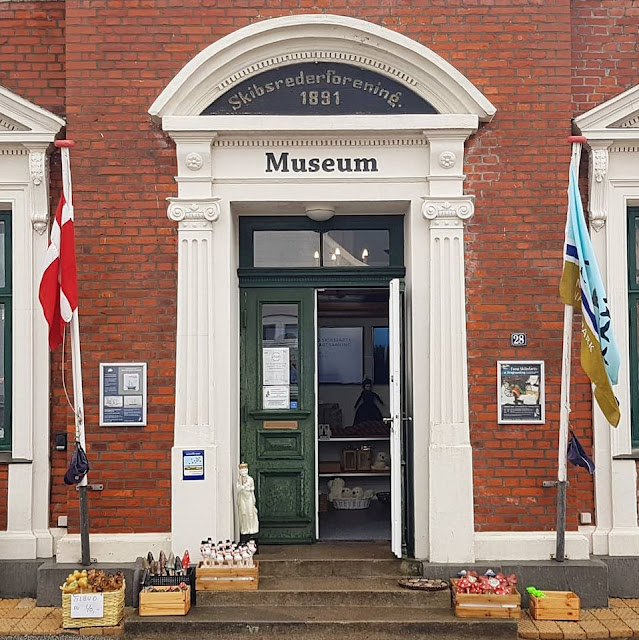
{"x": 277, "y": 386}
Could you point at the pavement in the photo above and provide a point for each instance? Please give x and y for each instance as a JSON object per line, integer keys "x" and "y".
{"x": 21, "y": 617}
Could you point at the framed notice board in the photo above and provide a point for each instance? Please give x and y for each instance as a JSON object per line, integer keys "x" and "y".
{"x": 123, "y": 394}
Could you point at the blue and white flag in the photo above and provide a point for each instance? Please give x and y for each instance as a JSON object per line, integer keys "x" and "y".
{"x": 581, "y": 286}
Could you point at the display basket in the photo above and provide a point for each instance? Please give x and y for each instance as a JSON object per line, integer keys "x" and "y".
{"x": 113, "y": 611}
{"x": 172, "y": 581}
{"x": 339, "y": 503}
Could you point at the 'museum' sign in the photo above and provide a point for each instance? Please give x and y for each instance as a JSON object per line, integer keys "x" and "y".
{"x": 319, "y": 88}
{"x": 284, "y": 163}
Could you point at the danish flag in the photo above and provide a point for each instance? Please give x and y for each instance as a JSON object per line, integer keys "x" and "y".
{"x": 59, "y": 284}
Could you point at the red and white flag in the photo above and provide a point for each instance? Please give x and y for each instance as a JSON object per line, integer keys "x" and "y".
{"x": 59, "y": 285}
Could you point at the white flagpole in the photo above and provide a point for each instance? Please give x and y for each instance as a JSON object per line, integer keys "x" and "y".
{"x": 76, "y": 368}
{"x": 564, "y": 415}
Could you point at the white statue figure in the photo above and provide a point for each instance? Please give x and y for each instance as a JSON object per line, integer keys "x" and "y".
{"x": 246, "y": 510}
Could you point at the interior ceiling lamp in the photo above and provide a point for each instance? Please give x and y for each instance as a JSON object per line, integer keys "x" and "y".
{"x": 319, "y": 211}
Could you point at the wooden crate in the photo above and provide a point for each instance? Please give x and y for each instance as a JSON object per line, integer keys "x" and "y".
{"x": 557, "y": 605}
{"x": 227, "y": 579}
{"x": 485, "y": 605}
{"x": 164, "y": 602}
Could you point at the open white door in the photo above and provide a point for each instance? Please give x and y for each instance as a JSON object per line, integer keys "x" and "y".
{"x": 395, "y": 378}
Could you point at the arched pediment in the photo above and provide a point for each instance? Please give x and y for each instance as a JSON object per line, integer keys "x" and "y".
{"x": 294, "y": 40}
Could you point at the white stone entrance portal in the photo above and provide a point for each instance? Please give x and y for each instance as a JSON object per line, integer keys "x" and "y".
{"x": 612, "y": 132}
{"x": 222, "y": 172}
{"x": 26, "y": 133}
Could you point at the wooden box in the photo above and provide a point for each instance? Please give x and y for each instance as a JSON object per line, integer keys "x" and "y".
{"x": 364, "y": 459}
{"x": 485, "y": 605}
{"x": 227, "y": 578}
{"x": 330, "y": 466}
{"x": 349, "y": 460}
{"x": 163, "y": 602}
{"x": 557, "y": 605}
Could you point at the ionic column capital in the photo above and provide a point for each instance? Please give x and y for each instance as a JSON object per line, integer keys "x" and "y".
{"x": 194, "y": 213}
{"x": 447, "y": 211}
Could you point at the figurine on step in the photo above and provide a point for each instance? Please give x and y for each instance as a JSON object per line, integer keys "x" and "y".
{"x": 246, "y": 509}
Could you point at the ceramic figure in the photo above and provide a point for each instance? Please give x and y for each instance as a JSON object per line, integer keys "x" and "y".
{"x": 247, "y": 512}
{"x": 335, "y": 487}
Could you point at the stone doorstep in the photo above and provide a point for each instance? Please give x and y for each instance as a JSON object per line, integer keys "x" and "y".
{"x": 619, "y": 621}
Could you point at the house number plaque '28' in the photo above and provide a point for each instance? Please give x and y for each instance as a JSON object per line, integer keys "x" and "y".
{"x": 319, "y": 88}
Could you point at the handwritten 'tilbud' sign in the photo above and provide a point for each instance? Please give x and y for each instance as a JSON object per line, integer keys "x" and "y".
{"x": 87, "y": 605}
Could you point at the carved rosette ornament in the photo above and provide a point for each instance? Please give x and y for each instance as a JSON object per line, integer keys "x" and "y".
{"x": 448, "y": 212}
{"x": 598, "y": 187}
{"x": 447, "y": 159}
{"x": 194, "y": 212}
{"x": 194, "y": 161}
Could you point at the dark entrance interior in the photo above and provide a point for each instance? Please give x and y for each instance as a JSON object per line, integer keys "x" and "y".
{"x": 352, "y": 401}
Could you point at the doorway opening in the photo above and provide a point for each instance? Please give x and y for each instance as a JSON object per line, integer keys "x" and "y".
{"x": 353, "y": 409}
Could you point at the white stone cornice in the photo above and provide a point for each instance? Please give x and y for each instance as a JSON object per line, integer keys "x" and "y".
{"x": 193, "y": 211}
{"x": 598, "y": 205}
{"x": 451, "y": 211}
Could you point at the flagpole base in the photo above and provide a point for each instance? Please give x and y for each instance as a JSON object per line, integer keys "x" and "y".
{"x": 83, "y": 492}
{"x": 560, "y": 552}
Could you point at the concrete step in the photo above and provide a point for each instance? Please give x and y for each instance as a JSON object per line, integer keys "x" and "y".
{"x": 271, "y": 568}
{"x": 329, "y": 592}
{"x": 319, "y": 623}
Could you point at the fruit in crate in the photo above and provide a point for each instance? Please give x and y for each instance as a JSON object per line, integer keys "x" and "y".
{"x": 489, "y": 583}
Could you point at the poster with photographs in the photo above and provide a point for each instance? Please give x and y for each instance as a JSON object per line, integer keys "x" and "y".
{"x": 520, "y": 392}
{"x": 122, "y": 394}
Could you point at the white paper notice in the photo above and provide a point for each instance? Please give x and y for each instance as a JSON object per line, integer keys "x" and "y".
{"x": 276, "y": 397}
{"x": 275, "y": 366}
{"x": 87, "y": 605}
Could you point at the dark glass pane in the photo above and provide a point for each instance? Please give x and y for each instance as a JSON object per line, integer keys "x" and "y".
{"x": 3, "y": 269}
{"x": 636, "y": 250}
{"x": 3, "y": 373}
{"x": 356, "y": 248}
{"x": 380, "y": 355}
{"x": 286, "y": 249}
{"x": 280, "y": 356}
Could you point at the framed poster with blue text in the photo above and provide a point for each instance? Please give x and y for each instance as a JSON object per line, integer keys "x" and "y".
{"x": 520, "y": 392}
{"x": 122, "y": 394}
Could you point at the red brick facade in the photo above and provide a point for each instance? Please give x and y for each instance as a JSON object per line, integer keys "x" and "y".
{"x": 536, "y": 61}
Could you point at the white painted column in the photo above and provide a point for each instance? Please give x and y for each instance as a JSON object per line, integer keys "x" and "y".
{"x": 41, "y": 468}
{"x": 193, "y": 502}
{"x": 451, "y": 516}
